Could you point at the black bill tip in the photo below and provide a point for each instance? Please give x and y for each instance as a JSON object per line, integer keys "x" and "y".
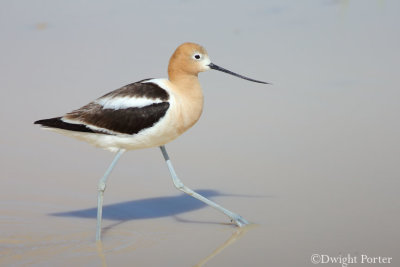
{"x": 215, "y": 67}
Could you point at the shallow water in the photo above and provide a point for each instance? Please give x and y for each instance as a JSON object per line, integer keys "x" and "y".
{"x": 312, "y": 160}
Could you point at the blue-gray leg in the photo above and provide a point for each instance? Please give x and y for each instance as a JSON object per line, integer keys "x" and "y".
{"x": 237, "y": 219}
{"x": 101, "y": 188}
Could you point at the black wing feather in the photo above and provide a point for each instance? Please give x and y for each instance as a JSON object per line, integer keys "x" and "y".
{"x": 128, "y": 120}
{"x": 58, "y": 123}
{"x": 124, "y": 120}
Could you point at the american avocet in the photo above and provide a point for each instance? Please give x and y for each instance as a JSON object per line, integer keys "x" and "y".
{"x": 147, "y": 113}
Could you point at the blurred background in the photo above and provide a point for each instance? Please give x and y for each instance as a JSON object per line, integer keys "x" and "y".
{"x": 312, "y": 160}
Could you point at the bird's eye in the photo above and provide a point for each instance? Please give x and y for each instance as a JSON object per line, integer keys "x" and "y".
{"x": 197, "y": 56}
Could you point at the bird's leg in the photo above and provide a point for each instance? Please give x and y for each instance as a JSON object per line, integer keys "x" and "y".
{"x": 237, "y": 219}
{"x": 101, "y": 187}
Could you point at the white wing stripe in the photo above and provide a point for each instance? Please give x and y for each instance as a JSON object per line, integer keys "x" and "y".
{"x": 126, "y": 102}
{"x": 95, "y": 128}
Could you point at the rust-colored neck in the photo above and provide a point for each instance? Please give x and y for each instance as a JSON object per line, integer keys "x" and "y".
{"x": 183, "y": 80}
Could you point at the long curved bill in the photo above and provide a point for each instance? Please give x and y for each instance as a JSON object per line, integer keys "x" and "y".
{"x": 215, "y": 67}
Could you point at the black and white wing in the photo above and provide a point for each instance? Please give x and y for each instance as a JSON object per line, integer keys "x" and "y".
{"x": 127, "y": 110}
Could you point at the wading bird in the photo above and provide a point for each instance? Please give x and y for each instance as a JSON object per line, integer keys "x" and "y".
{"x": 144, "y": 114}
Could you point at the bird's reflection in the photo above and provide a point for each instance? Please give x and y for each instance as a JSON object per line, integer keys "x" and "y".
{"x": 102, "y": 255}
{"x": 156, "y": 208}
{"x": 236, "y": 235}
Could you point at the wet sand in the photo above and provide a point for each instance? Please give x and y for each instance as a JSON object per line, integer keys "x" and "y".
{"x": 311, "y": 161}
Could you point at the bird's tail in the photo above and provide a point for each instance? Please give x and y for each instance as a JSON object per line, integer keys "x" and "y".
{"x": 60, "y": 124}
